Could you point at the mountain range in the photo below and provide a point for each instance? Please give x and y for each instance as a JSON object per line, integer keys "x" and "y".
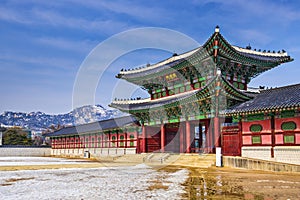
{"x": 39, "y": 121}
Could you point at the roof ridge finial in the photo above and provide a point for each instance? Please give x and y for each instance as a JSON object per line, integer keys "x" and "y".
{"x": 217, "y": 29}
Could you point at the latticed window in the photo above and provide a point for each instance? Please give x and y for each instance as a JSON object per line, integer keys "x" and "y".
{"x": 93, "y": 142}
{"x": 235, "y": 84}
{"x": 256, "y": 128}
{"x": 288, "y": 126}
{"x": 131, "y": 140}
{"x": 106, "y": 140}
{"x": 289, "y": 139}
{"x": 122, "y": 140}
{"x": 181, "y": 89}
{"x": 188, "y": 87}
{"x": 256, "y": 140}
{"x": 197, "y": 85}
{"x": 99, "y": 141}
{"x": 113, "y": 139}
{"x": 87, "y": 142}
{"x": 241, "y": 86}
{"x": 203, "y": 83}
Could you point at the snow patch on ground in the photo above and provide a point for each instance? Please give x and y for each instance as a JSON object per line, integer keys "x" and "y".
{"x": 16, "y": 161}
{"x": 126, "y": 182}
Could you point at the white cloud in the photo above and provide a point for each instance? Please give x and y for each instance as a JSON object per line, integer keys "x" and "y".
{"x": 83, "y": 46}
{"x": 13, "y": 16}
{"x": 42, "y": 62}
{"x": 267, "y": 10}
{"x": 57, "y": 19}
{"x": 140, "y": 12}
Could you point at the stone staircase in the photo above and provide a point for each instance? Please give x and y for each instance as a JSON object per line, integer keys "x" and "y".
{"x": 195, "y": 160}
{"x": 131, "y": 158}
{"x": 187, "y": 160}
{"x": 156, "y": 158}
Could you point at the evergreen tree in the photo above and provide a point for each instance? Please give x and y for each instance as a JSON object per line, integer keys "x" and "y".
{"x": 16, "y": 136}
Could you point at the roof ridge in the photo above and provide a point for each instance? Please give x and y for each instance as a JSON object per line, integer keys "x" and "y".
{"x": 282, "y": 87}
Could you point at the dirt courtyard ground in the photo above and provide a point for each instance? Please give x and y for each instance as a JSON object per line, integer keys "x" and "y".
{"x": 207, "y": 183}
{"x": 228, "y": 183}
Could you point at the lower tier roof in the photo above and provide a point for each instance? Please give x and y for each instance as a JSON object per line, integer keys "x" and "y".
{"x": 109, "y": 124}
{"x": 271, "y": 99}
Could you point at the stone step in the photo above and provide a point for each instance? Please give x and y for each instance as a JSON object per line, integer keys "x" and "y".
{"x": 132, "y": 158}
{"x": 192, "y": 160}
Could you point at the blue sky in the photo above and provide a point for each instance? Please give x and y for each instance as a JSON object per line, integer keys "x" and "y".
{"x": 43, "y": 43}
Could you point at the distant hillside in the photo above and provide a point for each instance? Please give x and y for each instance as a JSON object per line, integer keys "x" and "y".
{"x": 41, "y": 121}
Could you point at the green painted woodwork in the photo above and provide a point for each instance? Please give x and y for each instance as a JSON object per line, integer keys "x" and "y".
{"x": 235, "y": 119}
{"x": 93, "y": 142}
{"x": 178, "y": 85}
{"x": 256, "y": 140}
{"x": 200, "y": 117}
{"x": 152, "y": 123}
{"x": 235, "y": 84}
{"x": 287, "y": 113}
{"x": 174, "y": 120}
{"x": 181, "y": 89}
{"x": 197, "y": 85}
{"x": 171, "y": 92}
{"x": 289, "y": 139}
{"x": 241, "y": 86}
{"x": 256, "y": 128}
{"x": 164, "y": 94}
{"x": 288, "y": 126}
{"x": 199, "y": 104}
{"x": 255, "y": 117}
{"x": 188, "y": 87}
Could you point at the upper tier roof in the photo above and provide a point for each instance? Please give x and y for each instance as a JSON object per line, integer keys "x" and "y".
{"x": 270, "y": 100}
{"x": 95, "y": 126}
{"x": 239, "y": 54}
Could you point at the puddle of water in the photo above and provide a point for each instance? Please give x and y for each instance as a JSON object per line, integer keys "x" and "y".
{"x": 204, "y": 185}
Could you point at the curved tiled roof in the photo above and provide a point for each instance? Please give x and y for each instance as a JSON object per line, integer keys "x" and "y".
{"x": 270, "y": 99}
{"x": 150, "y": 104}
{"x": 155, "y": 68}
{"x": 95, "y": 126}
{"x": 234, "y": 52}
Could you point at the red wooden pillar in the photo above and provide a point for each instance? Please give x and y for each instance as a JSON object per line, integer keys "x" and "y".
{"x": 138, "y": 150}
{"x": 181, "y": 139}
{"x": 272, "y": 120}
{"x": 126, "y": 139}
{"x": 143, "y": 139}
{"x": 209, "y": 137}
{"x": 240, "y": 136}
{"x": 109, "y": 140}
{"x": 188, "y": 136}
{"x": 117, "y": 137}
{"x": 162, "y": 138}
{"x": 217, "y": 131}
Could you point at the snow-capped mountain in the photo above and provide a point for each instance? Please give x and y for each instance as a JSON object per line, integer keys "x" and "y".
{"x": 41, "y": 121}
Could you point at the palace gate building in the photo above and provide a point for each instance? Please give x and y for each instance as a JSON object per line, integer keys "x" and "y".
{"x": 200, "y": 100}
